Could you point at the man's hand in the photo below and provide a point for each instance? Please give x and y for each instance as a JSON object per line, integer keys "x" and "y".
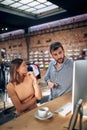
{"x": 51, "y": 84}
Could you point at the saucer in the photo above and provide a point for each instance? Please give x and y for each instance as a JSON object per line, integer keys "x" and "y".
{"x": 49, "y": 115}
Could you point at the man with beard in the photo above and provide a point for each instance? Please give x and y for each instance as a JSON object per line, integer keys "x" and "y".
{"x": 60, "y": 71}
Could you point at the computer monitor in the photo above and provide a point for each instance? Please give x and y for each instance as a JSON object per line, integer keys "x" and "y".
{"x": 79, "y": 85}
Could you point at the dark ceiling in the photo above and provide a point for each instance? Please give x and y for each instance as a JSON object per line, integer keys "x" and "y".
{"x": 13, "y": 22}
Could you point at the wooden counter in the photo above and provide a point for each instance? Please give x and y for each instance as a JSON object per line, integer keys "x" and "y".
{"x": 28, "y": 122}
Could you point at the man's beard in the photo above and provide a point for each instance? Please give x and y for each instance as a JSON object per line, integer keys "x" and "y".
{"x": 60, "y": 60}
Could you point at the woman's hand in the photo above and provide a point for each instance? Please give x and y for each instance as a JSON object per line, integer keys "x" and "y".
{"x": 31, "y": 74}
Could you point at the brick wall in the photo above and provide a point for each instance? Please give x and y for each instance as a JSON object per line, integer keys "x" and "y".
{"x": 73, "y": 38}
{"x": 15, "y": 48}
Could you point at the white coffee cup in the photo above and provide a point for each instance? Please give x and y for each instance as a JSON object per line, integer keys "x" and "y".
{"x": 43, "y": 111}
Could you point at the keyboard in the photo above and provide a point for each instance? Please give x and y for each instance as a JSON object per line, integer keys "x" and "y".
{"x": 64, "y": 110}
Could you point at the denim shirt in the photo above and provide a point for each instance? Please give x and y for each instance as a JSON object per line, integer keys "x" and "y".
{"x": 62, "y": 76}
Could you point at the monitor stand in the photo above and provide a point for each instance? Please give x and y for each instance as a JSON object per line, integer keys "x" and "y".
{"x": 85, "y": 112}
{"x": 85, "y": 108}
{"x": 73, "y": 120}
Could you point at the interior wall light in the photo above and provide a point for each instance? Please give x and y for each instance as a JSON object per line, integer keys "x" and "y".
{"x": 2, "y": 29}
{"x": 6, "y": 28}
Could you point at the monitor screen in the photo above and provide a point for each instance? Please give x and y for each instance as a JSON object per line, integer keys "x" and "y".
{"x": 79, "y": 90}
